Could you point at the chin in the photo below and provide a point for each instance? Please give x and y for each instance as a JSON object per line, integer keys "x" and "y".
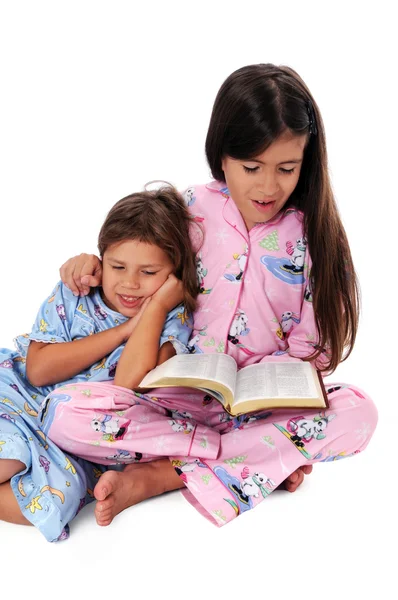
{"x": 129, "y": 313}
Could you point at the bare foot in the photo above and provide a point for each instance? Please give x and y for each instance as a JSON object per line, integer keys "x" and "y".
{"x": 117, "y": 490}
{"x": 296, "y": 479}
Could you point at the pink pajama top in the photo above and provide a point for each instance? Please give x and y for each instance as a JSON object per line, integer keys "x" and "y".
{"x": 255, "y": 299}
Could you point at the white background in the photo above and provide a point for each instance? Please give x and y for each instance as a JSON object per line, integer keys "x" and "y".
{"x": 96, "y": 99}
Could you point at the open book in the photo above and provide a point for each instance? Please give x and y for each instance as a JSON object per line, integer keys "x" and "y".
{"x": 279, "y": 384}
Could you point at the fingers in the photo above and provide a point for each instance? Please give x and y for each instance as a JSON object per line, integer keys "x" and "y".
{"x": 91, "y": 273}
{"x": 89, "y": 281}
{"x": 66, "y": 273}
{"x": 88, "y": 271}
{"x": 170, "y": 293}
{"x": 77, "y": 273}
{"x": 85, "y": 265}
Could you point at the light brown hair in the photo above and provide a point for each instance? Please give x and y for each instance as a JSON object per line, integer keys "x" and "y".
{"x": 159, "y": 217}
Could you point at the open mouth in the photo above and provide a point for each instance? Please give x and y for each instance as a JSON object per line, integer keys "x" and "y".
{"x": 263, "y": 206}
{"x": 129, "y": 301}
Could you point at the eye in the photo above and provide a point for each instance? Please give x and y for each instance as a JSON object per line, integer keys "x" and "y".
{"x": 118, "y": 268}
{"x": 287, "y": 171}
{"x": 250, "y": 169}
{"x": 149, "y": 272}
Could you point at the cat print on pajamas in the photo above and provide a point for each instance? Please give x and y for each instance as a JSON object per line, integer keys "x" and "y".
{"x": 181, "y": 414}
{"x": 192, "y": 345}
{"x": 6, "y": 364}
{"x": 241, "y": 421}
{"x": 288, "y": 319}
{"x": 124, "y": 457}
{"x": 189, "y": 197}
{"x": 252, "y": 485}
{"x": 304, "y": 430}
{"x": 239, "y": 328}
{"x": 109, "y": 427}
{"x": 242, "y": 260}
{"x": 201, "y": 273}
{"x": 182, "y": 468}
{"x": 289, "y": 269}
{"x": 297, "y": 255}
{"x": 181, "y": 425}
{"x": 100, "y": 312}
{"x": 60, "y": 308}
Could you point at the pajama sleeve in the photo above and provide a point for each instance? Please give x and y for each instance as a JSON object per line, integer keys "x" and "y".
{"x": 303, "y": 339}
{"x": 177, "y": 329}
{"x": 53, "y": 321}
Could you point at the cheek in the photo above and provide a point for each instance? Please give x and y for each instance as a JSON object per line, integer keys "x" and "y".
{"x": 153, "y": 284}
{"x": 240, "y": 189}
{"x": 289, "y": 185}
{"x": 108, "y": 280}
{"x": 295, "y": 180}
{"x": 237, "y": 184}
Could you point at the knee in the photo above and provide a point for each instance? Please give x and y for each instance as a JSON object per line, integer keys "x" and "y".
{"x": 365, "y": 407}
{"x": 361, "y": 412}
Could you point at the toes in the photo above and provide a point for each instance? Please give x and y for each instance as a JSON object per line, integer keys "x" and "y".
{"x": 294, "y": 481}
{"x": 105, "y": 505}
{"x": 307, "y": 469}
{"x": 101, "y": 491}
{"x": 104, "y": 487}
{"x": 104, "y": 512}
{"x": 105, "y": 518}
{"x": 290, "y": 487}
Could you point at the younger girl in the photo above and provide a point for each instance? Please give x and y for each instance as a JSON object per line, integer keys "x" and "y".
{"x": 148, "y": 269}
{"x": 276, "y": 283}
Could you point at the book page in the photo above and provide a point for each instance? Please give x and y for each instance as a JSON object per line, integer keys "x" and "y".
{"x": 211, "y": 367}
{"x": 276, "y": 380}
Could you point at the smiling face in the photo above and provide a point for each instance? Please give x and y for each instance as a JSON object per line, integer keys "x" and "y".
{"x": 133, "y": 271}
{"x": 261, "y": 186}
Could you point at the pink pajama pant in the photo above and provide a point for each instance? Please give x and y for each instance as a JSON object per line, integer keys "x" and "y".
{"x": 228, "y": 465}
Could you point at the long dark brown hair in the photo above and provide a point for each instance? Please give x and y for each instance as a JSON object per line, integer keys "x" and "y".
{"x": 159, "y": 217}
{"x": 254, "y": 106}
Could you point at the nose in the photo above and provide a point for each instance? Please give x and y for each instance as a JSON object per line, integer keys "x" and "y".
{"x": 131, "y": 283}
{"x": 268, "y": 186}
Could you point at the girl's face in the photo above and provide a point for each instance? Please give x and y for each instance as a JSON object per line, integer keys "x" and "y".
{"x": 261, "y": 186}
{"x": 133, "y": 271}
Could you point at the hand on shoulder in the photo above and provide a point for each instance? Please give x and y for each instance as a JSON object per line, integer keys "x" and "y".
{"x": 82, "y": 272}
